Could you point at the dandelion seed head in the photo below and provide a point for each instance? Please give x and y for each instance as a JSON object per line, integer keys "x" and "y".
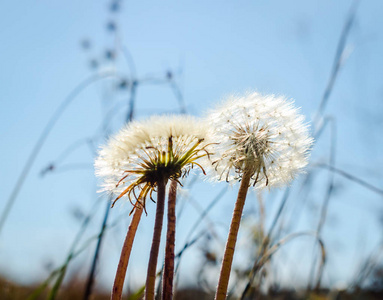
{"x": 264, "y": 133}
{"x": 143, "y": 153}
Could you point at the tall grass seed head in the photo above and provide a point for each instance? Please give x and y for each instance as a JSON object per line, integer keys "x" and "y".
{"x": 142, "y": 154}
{"x": 264, "y": 134}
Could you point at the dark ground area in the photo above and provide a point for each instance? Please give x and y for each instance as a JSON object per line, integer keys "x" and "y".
{"x": 74, "y": 291}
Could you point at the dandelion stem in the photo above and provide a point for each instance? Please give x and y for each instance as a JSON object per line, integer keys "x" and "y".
{"x": 232, "y": 238}
{"x": 125, "y": 255}
{"x": 152, "y": 266}
{"x": 167, "y": 288}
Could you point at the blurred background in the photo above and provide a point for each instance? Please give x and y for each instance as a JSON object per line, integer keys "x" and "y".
{"x": 74, "y": 72}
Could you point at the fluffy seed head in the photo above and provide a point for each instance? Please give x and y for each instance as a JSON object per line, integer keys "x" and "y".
{"x": 262, "y": 133}
{"x": 144, "y": 153}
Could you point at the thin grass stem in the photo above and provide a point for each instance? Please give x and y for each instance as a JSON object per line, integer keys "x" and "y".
{"x": 267, "y": 255}
{"x": 90, "y": 281}
{"x": 41, "y": 140}
{"x": 337, "y": 63}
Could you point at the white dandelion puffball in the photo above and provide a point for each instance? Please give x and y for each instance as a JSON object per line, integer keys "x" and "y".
{"x": 264, "y": 134}
{"x": 143, "y": 153}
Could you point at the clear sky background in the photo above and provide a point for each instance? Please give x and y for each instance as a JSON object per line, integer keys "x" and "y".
{"x": 213, "y": 48}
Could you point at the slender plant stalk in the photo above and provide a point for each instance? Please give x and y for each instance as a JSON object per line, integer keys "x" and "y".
{"x": 152, "y": 266}
{"x": 232, "y": 238}
{"x": 132, "y": 101}
{"x": 202, "y": 216}
{"x": 167, "y": 287}
{"x": 42, "y": 138}
{"x": 261, "y": 214}
{"x": 337, "y": 64}
{"x": 90, "y": 281}
{"x": 125, "y": 255}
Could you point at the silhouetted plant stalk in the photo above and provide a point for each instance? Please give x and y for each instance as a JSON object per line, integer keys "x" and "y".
{"x": 125, "y": 254}
{"x": 267, "y": 254}
{"x": 90, "y": 281}
{"x": 152, "y": 266}
{"x": 168, "y": 275}
{"x": 60, "y": 272}
{"x": 203, "y": 215}
{"x": 325, "y": 204}
{"x": 352, "y": 178}
{"x": 367, "y": 266}
{"x": 337, "y": 63}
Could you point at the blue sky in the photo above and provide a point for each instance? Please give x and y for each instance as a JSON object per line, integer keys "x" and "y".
{"x": 215, "y": 48}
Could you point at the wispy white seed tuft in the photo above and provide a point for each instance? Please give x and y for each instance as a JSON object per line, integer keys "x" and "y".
{"x": 264, "y": 133}
{"x": 146, "y": 151}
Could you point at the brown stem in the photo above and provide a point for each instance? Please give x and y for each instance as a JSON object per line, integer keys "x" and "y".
{"x": 125, "y": 254}
{"x": 152, "y": 266}
{"x": 167, "y": 287}
{"x": 232, "y": 238}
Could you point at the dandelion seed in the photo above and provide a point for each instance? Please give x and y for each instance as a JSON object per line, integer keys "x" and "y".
{"x": 265, "y": 134}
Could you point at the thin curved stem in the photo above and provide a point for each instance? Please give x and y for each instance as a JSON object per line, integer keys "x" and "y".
{"x": 167, "y": 287}
{"x": 152, "y": 266}
{"x": 88, "y": 289}
{"x": 125, "y": 255}
{"x": 202, "y": 216}
{"x": 267, "y": 255}
{"x": 130, "y": 61}
{"x": 90, "y": 280}
{"x": 178, "y": 94}
{"x": 40, "y": 142}
{"x": 132, "y": 101}
{"x": 232, "y": 238}
{"x": 351, "y": 177}
{"x": 337, "y": 63}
